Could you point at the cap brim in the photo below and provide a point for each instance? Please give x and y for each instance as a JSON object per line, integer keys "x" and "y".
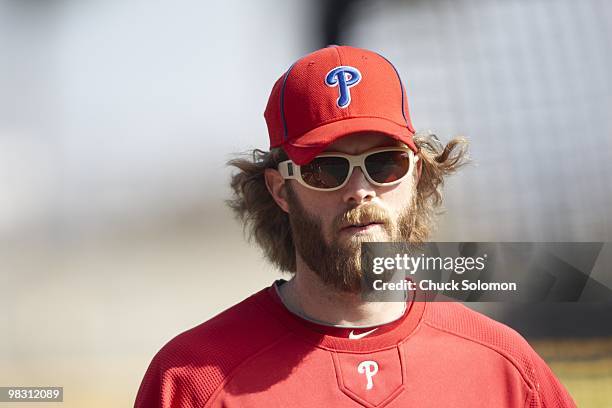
{"x": 303, "y": 149}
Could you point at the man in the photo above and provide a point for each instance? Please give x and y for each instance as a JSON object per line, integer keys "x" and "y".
{"x": 345, "y": 167}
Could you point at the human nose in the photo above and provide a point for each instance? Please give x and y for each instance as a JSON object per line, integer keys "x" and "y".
{"x": 358, "y": 189}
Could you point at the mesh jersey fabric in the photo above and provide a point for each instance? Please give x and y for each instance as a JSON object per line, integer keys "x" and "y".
{"x": 439, "y": 354}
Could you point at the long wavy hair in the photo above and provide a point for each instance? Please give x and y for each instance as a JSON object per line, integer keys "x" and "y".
{"x": 268, "y": 225}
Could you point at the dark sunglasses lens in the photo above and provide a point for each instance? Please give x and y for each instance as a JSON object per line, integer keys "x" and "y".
{"x": 325, "y": 172}
{"x": 387, "y": 167}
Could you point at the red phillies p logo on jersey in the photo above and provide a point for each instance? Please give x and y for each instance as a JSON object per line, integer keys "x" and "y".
{"x": 369, "y": 368}
{"x": 373, "y": 379}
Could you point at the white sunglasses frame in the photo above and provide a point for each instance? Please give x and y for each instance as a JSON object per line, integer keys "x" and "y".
{"x": 291, "y": 171}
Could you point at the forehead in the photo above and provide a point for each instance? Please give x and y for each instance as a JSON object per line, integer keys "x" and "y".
{"x": 360, "y": 142}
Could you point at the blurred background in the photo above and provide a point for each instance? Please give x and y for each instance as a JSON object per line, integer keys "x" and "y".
{"x": 117, "y": 118}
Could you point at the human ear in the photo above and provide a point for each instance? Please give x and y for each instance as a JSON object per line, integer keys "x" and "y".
{"x": 276, "y": 186}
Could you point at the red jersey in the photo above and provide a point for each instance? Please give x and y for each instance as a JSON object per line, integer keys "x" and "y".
{"x": 439, "y": 354}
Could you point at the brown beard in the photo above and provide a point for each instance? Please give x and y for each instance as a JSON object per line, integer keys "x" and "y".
{"x": 338, "y": 265}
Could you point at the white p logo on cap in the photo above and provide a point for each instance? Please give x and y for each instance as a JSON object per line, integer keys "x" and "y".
{"x": 343, "y": 77}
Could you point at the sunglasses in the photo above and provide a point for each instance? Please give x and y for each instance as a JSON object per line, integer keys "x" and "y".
{"x": 383, "y": 166}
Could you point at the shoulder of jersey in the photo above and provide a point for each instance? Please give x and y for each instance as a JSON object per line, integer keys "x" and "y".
{"x": 246, "y": 323}
{"x": 456, "y": 319}
{"x": 198, "y": 361}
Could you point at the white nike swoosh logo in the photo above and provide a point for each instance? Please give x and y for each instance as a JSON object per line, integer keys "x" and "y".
{"x": 354, "y": 336}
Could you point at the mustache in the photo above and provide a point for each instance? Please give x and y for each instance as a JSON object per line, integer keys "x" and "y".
{"x": 365, "y": 214}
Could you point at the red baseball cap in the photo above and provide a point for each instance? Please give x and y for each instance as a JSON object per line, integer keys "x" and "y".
{"x": 334, "y": 92}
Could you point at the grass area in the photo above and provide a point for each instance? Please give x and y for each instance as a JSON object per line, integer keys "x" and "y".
{"x": 584, "y": 366}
